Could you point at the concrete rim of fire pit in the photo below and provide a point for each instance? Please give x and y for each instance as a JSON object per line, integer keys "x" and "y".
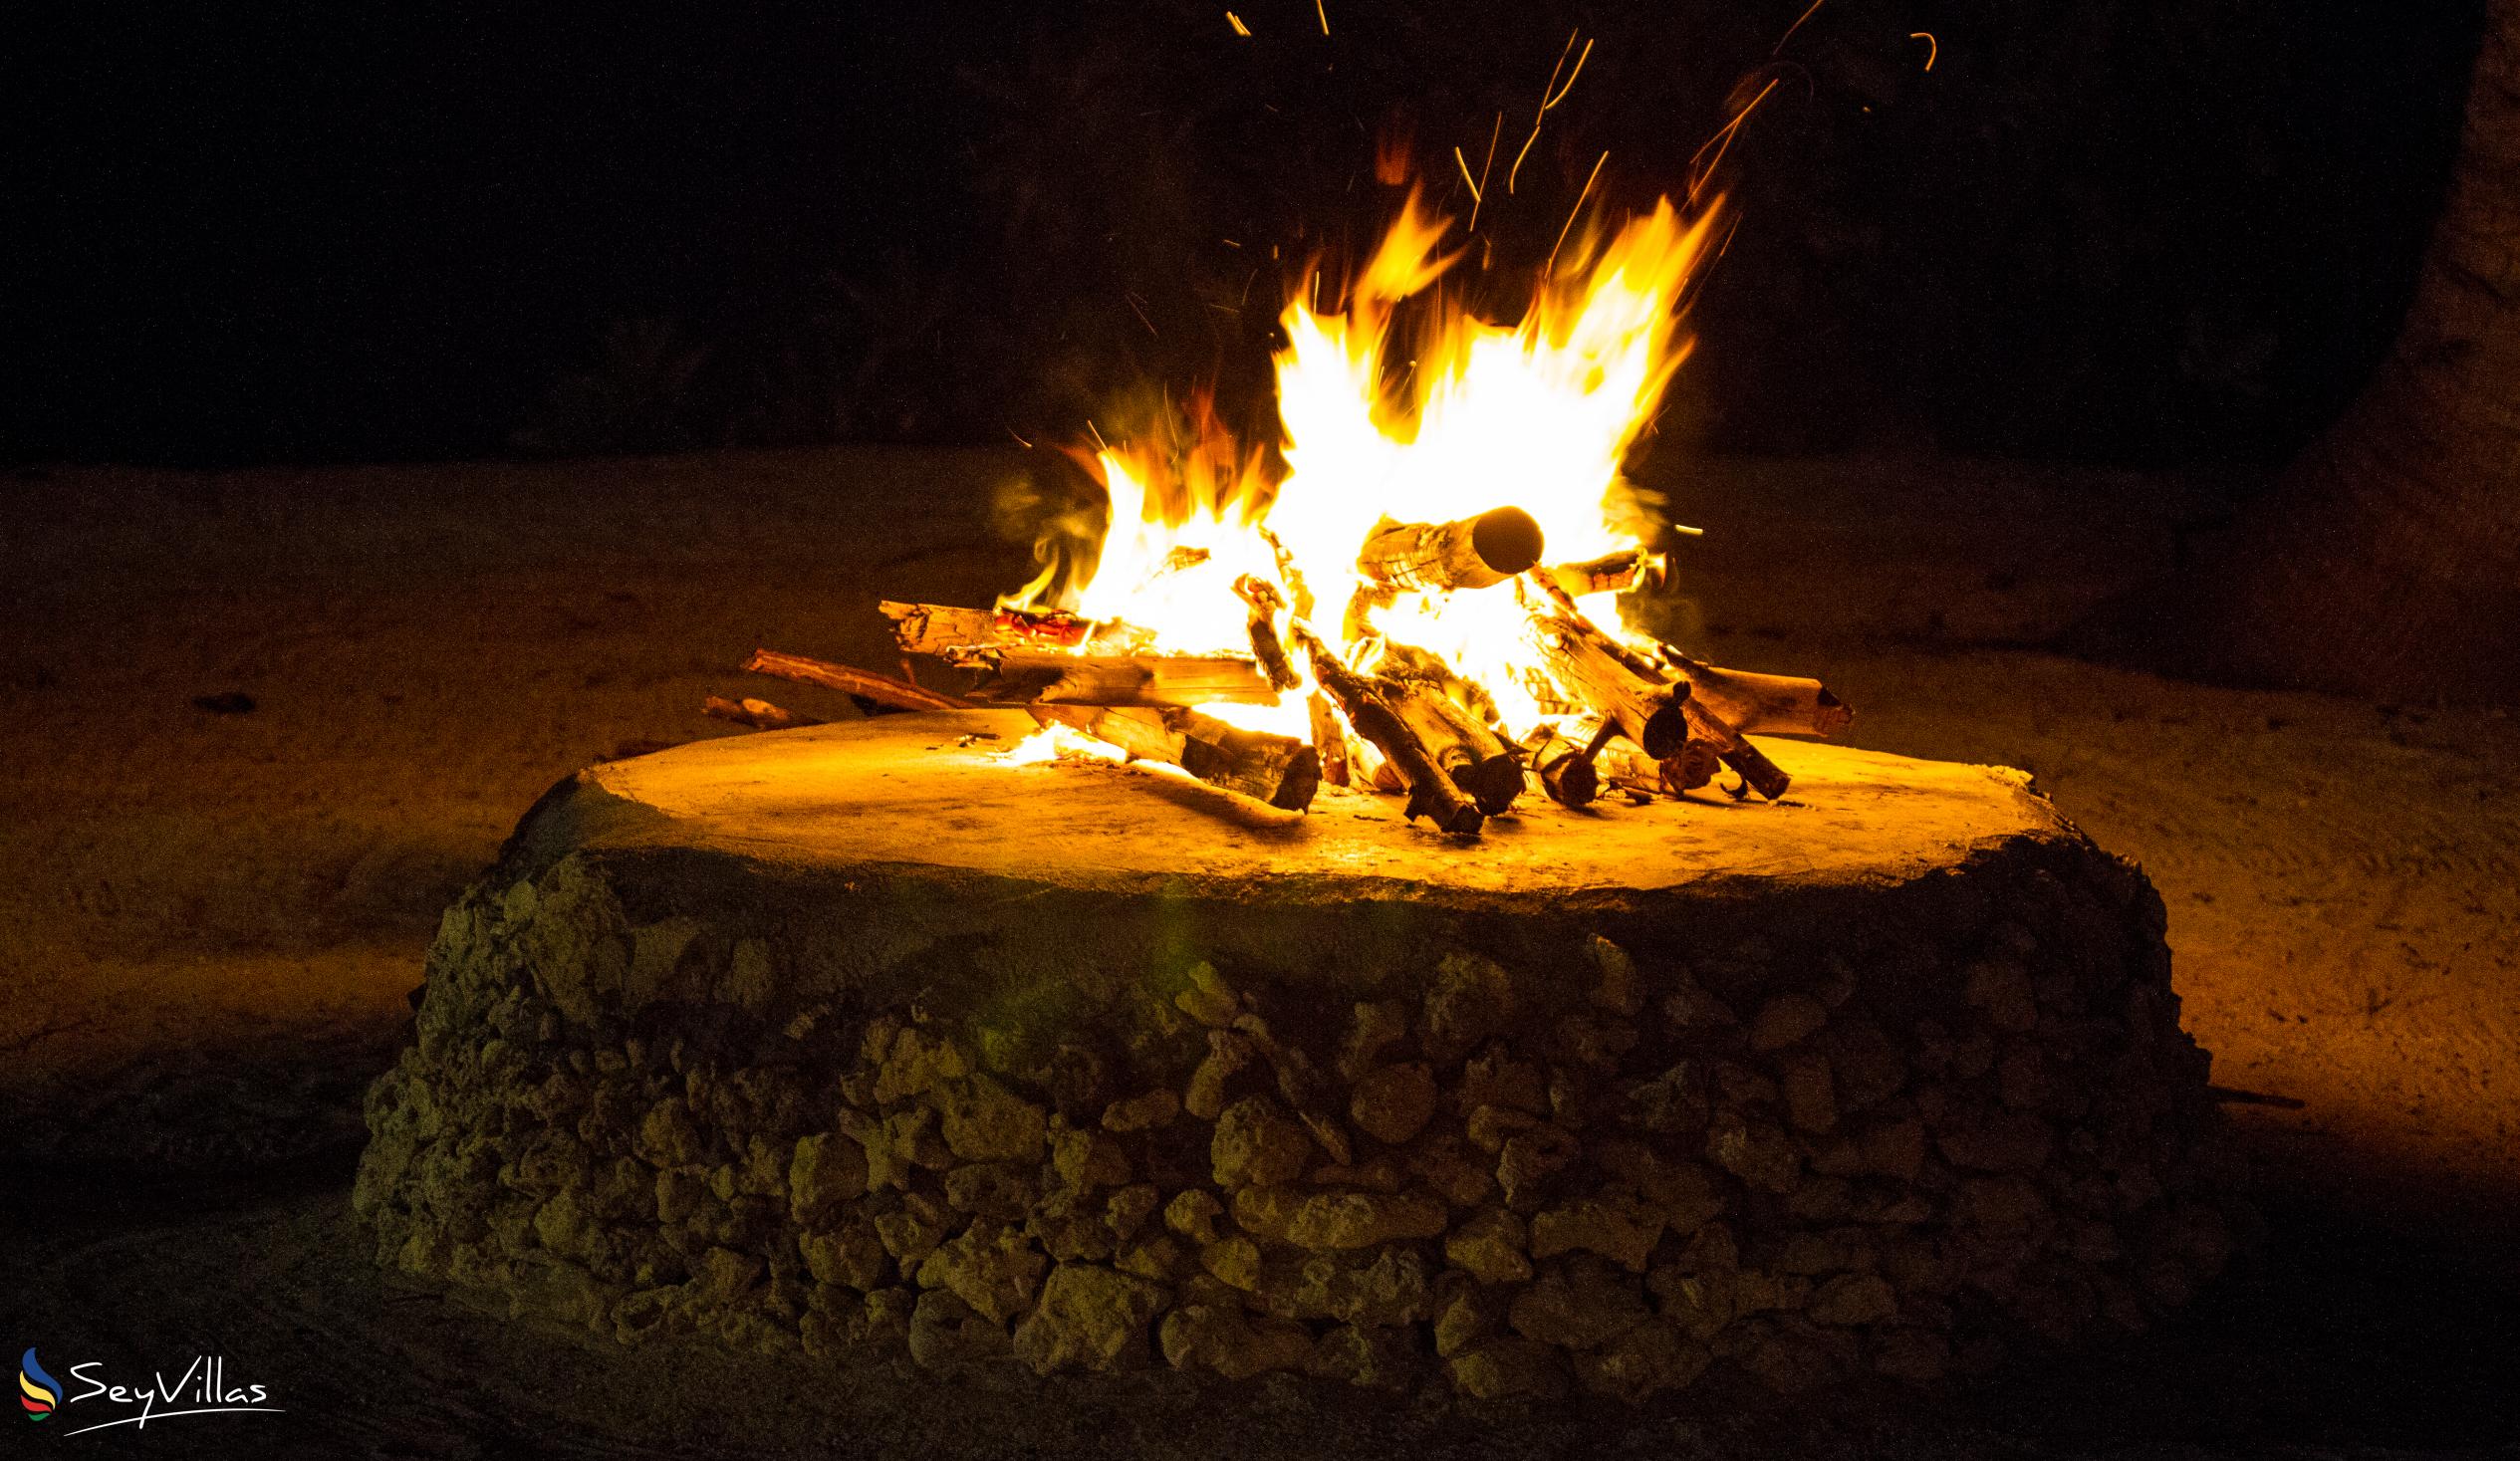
{"x": 938, "y": 790}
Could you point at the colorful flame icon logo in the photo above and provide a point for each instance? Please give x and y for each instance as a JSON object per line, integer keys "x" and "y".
{"x": 37, "y": 1392}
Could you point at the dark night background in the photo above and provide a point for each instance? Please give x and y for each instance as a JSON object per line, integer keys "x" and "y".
{"x": 2105, "y": 231}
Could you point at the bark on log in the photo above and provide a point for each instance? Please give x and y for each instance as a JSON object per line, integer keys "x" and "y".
{"x": 1020, "y": 675}
{"x": 1774, "y": 703}
{"x": 1431, "y": 794}
{"x": 759, "y": 714}
{"x": 882, "y": 689}
{"x": 1472, "y": 552}
{"x": 1279, "y": 770}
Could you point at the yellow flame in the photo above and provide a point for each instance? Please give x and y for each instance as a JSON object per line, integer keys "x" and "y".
{"x": 1537, "y": 414}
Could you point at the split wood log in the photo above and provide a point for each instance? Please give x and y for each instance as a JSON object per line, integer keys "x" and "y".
{"x": 1472, "y": 552}
{"x": 759, "y": 714}
{"x": 1432, "y": 793}
{"x": 882, "y": 689}
{"x": 1611, "y": 572}
{"x": 1479, "y": 761}
{"x": 1649, "y": 708}
{"x": 1750, "y": 701}
{"x": 1279, "y": 770}
{"x": 1017, "y": 677}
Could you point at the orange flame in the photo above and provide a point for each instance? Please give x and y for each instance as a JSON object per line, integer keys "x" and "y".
{"x": 1537, "y": 414}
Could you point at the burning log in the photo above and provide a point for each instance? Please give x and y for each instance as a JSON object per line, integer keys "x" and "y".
{"x": 1606, "y": 676}
{"x": 1472, "y": 552}
{"x": 1567, "y": 770}
{"x": 1265, "y": 603}
{"x": 1734, "y": 750}
{"x": 1461, "y": 746}
{"x": 1423, "y": 666}
{"x": 1749, "y": 702}
{"x": 1279, "y": 770}
{"x": 1611, "y": 572}
{"x": 759, "y": 714}
{"x": 1693, "y": 767}
{"x": 938, "y": 629}
{"x": 1330, "y": 741}
{"x": 1624, "y": 768}
{"x": 1432, "y": 793}
{"x": 1019, "y": 676}
{"x": 880, "y": 689}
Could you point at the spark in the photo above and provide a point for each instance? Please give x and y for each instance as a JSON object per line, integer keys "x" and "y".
{"x": 1019, "y": 438}
{"x": 1235, "y": 21}
{"x": 1324, "y": 16}
{"x": 1796, "y": 25}
{"x": 1552, "y": 266}
{"x": 1478, "y": 190}
{"x": 1721, "y": 141}
{"x": 1549, "y": 95}
{"x": 1933, "y": 48}
{"x": 1465, "y": 166}
{"x": 1141, "y": 312}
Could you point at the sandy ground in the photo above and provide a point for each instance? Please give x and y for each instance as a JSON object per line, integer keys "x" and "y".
{"x": 210, "y": 916}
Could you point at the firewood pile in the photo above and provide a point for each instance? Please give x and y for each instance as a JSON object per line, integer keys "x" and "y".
{"x": 1628, "y": 717}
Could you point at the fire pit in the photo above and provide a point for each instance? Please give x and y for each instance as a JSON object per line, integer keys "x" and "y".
{"x": 857, "y": 1038}
{"x": 1408, "y": 1013}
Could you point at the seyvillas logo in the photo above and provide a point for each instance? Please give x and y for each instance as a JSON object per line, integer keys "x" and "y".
{"x": 37, "y": 1392}
{"x": 203, "y": 1389}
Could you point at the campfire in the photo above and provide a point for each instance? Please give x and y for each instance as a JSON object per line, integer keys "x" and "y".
{"x": 1417, "y": 593}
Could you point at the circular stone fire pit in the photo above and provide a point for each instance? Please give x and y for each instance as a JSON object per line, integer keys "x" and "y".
{"x": 862, "y": 1037}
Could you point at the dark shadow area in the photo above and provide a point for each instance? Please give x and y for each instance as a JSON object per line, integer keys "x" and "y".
{"x": 2138, "y": 233}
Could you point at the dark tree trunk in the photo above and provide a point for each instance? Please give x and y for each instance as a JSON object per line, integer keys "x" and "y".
{"x": 2387, "y": 561}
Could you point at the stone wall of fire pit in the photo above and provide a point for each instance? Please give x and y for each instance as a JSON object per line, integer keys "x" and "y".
{"x": 692, "y": 1059}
